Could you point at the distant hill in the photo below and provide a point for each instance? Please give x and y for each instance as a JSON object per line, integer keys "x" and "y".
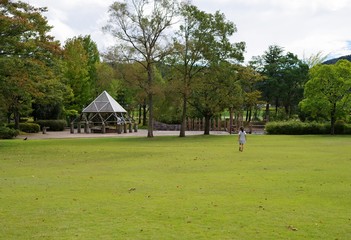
{"x": 334, "y": 60}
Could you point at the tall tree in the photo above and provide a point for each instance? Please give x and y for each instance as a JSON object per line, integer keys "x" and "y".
{"x": 248, "y": 81}
{"x": 201, "y": 42}
{"x": 77, "y": 73}
{"x": 269, "y": 65}
{"x": 93, "y": 56}
{"x": 284, "y": 77}
{"x": 216, "y": 90}
{"x": 294, "y": 74}
{"x": 27, "y": 55}
{"x": 328, "y": 91}
{"x": 141, "y": 26}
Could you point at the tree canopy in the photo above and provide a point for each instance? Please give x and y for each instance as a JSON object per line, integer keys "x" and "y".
{"x": 140, "y": 27}
{"x": 284, "y": 79}
{"x": 202, "y": 43}
{"x": 328, "y": 91}
{"x": 29, "y": 57}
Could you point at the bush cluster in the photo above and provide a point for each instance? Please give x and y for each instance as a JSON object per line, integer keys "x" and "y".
{"x": 53, "y": 125}
{"x": 26, "y": 127}
{"x": 301, "y": 128}
{"x": 8, "y": 133}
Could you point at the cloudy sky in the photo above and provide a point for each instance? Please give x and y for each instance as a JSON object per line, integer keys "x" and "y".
{"x": 303, "y": 27}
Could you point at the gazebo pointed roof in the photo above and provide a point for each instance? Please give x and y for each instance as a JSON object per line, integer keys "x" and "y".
{"x": 104, "y": 103}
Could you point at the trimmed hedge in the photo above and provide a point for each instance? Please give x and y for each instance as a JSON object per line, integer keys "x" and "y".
{"x": 26, "y": 127}
{"x": 301, "y": 128}
{"x": 8, "y": 133}
{"x": 53, "y": 125}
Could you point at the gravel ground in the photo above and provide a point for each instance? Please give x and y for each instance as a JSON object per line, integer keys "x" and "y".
{"x": 140, "y": 133}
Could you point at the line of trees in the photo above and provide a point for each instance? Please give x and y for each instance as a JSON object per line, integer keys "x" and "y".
{"x": 38, "y": 77}
{"x": 171, "y": 61}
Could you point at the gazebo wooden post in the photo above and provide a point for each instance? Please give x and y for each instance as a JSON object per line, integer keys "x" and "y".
{"x": 119, "y": 130}
{"x": 130, "y": 127}
{"x": 103, "y": 127}
{"x": 86, "y": 127}
{"x": 78, "y": 127}
{"x": 72, "y": 128}
{"x": 135, "y": 127}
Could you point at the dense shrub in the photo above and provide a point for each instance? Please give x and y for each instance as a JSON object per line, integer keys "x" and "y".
{"x": 53, "y": 125}
{"x": 347, "y": 129}
{"x": 300, "y": 128}
{"x": 7, "y": 133}
{"x": 26, "y": 127}
{"x": 339, "y": 127}
{"x": 29, "y": 127}
{"x": 290, "y": 128}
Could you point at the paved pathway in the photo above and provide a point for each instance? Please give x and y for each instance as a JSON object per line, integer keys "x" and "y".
{"x": 140, "y": 133}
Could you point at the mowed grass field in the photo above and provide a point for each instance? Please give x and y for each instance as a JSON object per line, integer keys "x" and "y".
{"x": 198, "y": 187}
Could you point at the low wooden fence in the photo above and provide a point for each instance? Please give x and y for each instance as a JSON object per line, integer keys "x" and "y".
{"x": 217, "y": 124}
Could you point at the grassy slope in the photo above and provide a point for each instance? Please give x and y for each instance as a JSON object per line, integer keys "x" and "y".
{"x": 199, "y": 187}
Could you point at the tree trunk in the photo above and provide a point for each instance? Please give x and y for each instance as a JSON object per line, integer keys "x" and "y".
{"x": 267, "y": 112}
{"x": 17, "y": 118}
{"x": 183, "y": 125}
{"x": 276, "y": 106}
{"x": 207, "y": 125}
{"x": 8, "y": 118}
{"x": 150, "y": 127}
{"x": 140, "y": 113}
{"x": 144, "y": 114}
{"x": 231, "y": 116}
{"x": 250, "y": 114}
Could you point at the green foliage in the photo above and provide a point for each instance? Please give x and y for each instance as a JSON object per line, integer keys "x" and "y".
{"x": 27, "y": 56}
{"x": 71, "y": 113}
{"x": 26, "y": 127}
{"x": 284, "y": 78}
{"x": 8, "y": 133}
{"x": 53, "y": 125}
{"x": 107, "y": 79}
{"x": 47, "y": 111}
{"x": 29, "y": 127}
{"x": 303, "y": 128}
{"x": 200, "y": 46}
{"x": 143, "y": 40}
{"x": 327, "y": 93}
{"x": 77, "y": 73}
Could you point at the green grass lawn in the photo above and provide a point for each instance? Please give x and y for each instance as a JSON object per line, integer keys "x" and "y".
{"x": 198, "y": 187}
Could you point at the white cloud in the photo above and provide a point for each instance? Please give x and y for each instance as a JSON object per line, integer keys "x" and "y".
{"x": 299, "y": 26}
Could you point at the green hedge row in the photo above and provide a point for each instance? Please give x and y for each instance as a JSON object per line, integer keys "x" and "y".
{"x": 301, "y": 128}
{"x": 53, "y": 125}
{"x": 8, "y": 133}
{"x": 26, "y": 127}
